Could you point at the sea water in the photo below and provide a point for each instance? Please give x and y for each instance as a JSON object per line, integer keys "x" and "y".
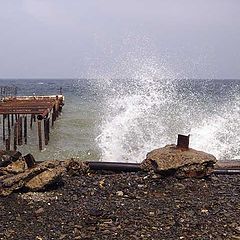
{"x": 123, "y": 119}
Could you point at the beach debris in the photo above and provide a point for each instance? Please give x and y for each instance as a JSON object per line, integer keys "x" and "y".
{"x": 179, "y": 160}
{"x": 28, "y": 175}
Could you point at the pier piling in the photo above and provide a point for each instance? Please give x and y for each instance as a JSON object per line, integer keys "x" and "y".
{"x": 7, "y": 144}
{"x": 20, "y": 133}
{"x": 3, "y": 127}
{"x": 15, "y": 137}
{"x": 14, "y": 110}
{"x": 40, "y": 135}
{"x": 25, "y": 129}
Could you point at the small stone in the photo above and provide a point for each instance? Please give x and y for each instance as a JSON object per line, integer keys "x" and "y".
{"x": 38, "y": 238}
{"x": 237, "y": 229}
{"x": 119, "y": 193}
{"x": 151, "y": 213}
{"x": 204, "y": 211}
{"x": 39, "y": 211}
{"x": 235, "y": 237}
{"x": 62, "y": 236}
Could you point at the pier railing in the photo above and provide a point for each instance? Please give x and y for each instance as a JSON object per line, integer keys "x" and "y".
{"x": 7, "y": 91}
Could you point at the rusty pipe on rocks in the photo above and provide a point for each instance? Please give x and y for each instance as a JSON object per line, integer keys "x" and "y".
{"x": 114, "y": 166}
{"x": 135, "y": 167}
{"x": 226, "y": 171}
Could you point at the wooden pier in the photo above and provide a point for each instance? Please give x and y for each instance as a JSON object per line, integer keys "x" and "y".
{"x": 19, "y": 113}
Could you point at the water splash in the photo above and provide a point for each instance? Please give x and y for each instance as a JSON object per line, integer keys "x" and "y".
{"x": 131, "y": 112}
{"x": 150, "y": 109}
{"x": 219, "y": 133}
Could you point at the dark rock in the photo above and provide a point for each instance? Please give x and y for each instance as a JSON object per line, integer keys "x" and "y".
{"x": 39, "y": 211}
{"x": 7, "y": 157}
{"x": 30, "y": 160}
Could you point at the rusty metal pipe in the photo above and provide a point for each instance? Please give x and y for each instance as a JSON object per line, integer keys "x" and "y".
{"x": 114, "y": 166}
{"x": 135, "y": 167}
{"x": 43, "y": 115}
{"x": 226, "y": 171}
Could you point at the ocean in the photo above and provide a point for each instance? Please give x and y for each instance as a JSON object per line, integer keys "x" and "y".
{"x": 124, "y": 119}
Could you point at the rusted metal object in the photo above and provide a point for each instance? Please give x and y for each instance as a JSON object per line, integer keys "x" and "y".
{"x": 29, "y": 159}
{"x": 225, "y": 168}
{"x": 15, "y": 136}
{"x": 3, "y": 125}
{"x": 41, "y": 107}
{"x": 25, "y": 129}
{"x": 7, "y": 144}
{"x": 114, "y": 166}
{"x": 183, "y": 141}
{"x": 40, "y": 135}
{"x": 20, "y": 141}
{"x": 46, "y": 130}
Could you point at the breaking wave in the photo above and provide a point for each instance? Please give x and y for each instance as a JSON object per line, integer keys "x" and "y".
{"x": 150, "y": 109}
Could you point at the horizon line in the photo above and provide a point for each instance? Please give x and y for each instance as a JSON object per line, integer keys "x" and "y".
{"x": 84, "y": 78}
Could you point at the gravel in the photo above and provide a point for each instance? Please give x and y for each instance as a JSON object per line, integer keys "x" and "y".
{"x": 105, "y": 205}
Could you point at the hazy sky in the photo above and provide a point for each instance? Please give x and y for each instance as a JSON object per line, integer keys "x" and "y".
{"x": 97, "y": 38}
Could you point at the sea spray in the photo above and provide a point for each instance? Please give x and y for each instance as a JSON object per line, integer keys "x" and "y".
{"x": 219, "y": 133}
{"x": 132, "y": 123}
{"x": 148, "y": 112}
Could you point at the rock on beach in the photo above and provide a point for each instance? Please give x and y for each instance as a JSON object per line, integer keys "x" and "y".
{"x": 179, "y": 162}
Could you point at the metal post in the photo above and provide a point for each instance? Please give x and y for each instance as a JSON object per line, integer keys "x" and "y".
{"x": 7, "y": 144}
{"x": 31, "y": 121}
{"x": 4, "y": 136}
{"x": 183, "y": 141}
{"x": 15, "y": 136}
{"x": 20, "y": 133}
{"x": 9, "y": 126}
{"x": 12, "y": 120}
{"x": 40, "y": 135}
{"x": 25, "y": 129}
{"x": 45, "y": 131}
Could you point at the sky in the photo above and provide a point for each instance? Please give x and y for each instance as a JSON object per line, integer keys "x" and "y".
{"x": 118, "y": 39}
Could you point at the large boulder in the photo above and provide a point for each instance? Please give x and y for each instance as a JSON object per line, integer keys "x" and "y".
{"x": 171, "y": 160}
